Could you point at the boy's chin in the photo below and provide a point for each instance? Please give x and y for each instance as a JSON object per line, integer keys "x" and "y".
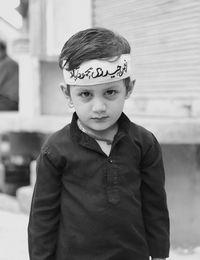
{"x": 99, "y": 129}
{"x": 102, "y": 128}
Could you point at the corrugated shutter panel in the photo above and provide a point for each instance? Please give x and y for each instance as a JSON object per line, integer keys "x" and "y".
{"x": 165, "y": 40}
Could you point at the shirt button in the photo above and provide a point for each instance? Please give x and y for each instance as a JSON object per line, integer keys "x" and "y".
{"x": 110, "y": 160}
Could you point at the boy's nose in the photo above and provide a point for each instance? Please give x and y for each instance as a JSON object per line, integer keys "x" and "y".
{"x": 98, "y": 106}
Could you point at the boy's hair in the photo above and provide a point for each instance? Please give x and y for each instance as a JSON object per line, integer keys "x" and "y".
{"x": 93, "y": 43}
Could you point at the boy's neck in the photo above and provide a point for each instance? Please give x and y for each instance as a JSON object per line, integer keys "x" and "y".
{"x": 106, "y": 137}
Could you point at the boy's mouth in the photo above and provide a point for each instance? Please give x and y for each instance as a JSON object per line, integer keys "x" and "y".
{"x": 100, "y": 118}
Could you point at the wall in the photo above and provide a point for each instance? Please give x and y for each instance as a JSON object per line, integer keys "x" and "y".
{"x": 56, "y": 20}
{"x": 182, "y": 164}
{"x": 164, "y": 37}
{"x": 52, "y": 100}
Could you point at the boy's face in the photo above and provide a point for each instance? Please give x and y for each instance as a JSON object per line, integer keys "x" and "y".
{"x": 98, "y": 106}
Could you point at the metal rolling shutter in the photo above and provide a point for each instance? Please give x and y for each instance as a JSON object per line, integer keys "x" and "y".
{"x": 164, "y": 36}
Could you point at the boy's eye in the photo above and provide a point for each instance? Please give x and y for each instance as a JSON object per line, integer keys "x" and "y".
{"x": 111, "y": 92}
{"x": 85, "y": 94}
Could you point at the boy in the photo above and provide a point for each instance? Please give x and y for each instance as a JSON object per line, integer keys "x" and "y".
{"x": 99, "y": 192}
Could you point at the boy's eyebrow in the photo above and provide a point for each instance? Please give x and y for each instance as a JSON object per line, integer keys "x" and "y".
{"x": 82, "y": 88}
{"x": 88, "y": 88}
{"x": 112, "y": 86}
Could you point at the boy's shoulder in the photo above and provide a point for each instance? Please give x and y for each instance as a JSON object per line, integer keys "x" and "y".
{"x": 55, "y": 146}
{"x": 136, "y": 132}
{"x": 58, "y": 141}
{"x": 145, "y": 140}
{"x": 61, "y": 136}
{"x": 143, "y": 137}
{"x": 140, "y": 133}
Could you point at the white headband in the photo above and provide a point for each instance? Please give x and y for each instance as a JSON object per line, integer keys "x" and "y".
{"x": 100, "y": 71}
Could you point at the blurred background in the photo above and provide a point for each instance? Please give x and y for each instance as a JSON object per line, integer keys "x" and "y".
{"x": 165, "y": 42}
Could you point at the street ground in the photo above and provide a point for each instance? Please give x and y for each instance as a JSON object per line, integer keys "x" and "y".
{"x": 13, "y": 234}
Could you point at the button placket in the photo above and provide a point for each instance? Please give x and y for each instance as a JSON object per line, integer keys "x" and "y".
{"x": 112, "y": 183}
{"x": 110, "y": 160}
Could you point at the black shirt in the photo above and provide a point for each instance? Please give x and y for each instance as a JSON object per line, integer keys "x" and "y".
{"x": 90, "y": 206}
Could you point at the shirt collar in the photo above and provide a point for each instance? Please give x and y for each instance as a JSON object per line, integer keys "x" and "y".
{"x": 78, "y": 135}
{"x": 124, "y": 123}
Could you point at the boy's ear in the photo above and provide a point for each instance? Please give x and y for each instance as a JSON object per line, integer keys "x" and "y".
{"x": 65, "y": 90}
{"x": 130, "y": 88}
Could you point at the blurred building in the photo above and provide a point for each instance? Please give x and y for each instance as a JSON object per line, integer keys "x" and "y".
{"x": 164, "y": 36}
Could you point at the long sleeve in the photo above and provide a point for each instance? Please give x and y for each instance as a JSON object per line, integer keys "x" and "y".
{"x": 154, "y": 204}
{"x": 45, "y": 209}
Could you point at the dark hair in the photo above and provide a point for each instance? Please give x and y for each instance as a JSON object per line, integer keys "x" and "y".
{"x": 93, "y": 43}
{"x": 2, "y": 45}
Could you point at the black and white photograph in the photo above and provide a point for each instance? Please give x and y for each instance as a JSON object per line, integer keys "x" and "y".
{"x": 99, "y": 130}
